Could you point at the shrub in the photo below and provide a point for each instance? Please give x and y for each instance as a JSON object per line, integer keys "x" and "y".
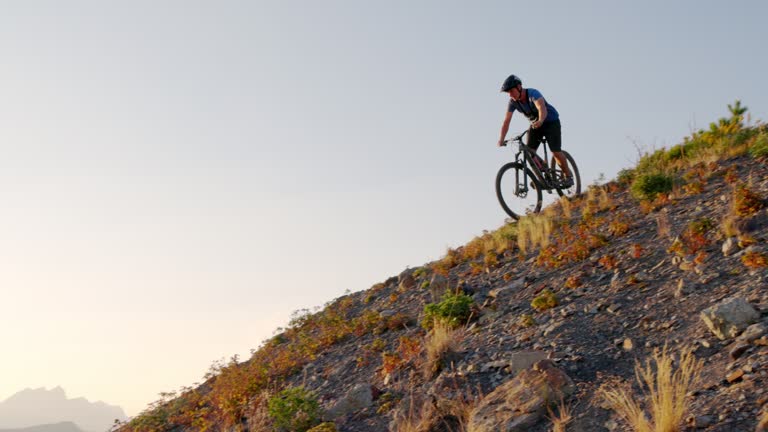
{"x": 526, "y": 320}
{"x": 746, "y": 202}
{"x": 609, "y": 262}
{"x": 648, "y": 186}
{"x": 701, "y": 226}
{"x": 545, "y": 300}
{"x": 454, "y": 310}
{"x": 573, "y": 281}
{"x": 625, "y": 176}
{"x": 755, "y": 260}
{"x": 451, "y": 259}
{"x": 294, "y": 409}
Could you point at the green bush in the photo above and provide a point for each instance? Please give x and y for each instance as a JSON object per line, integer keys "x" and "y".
{"x": 648, "y": 186}
{"x": 454, "y": 310}
{"x": 545, "y": 300}
{"x": 759, "y": 147}
{"x": 701, "y": 226}
{"x": 294, "y": 409}
{"x": 625, "y": 176}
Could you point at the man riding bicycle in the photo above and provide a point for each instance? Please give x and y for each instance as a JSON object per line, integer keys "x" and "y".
{"x": 545, "y": 121}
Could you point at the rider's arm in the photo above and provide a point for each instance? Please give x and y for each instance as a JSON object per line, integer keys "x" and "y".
{"x": 541, "y": 106}
{"x": 505, "y": 127}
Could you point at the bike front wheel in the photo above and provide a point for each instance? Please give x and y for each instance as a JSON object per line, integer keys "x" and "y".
{"x": 518, "y": 191}
{"x": 559, "y": 180}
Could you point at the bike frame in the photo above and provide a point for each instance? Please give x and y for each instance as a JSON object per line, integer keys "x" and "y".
{"x": 538, "y": 166}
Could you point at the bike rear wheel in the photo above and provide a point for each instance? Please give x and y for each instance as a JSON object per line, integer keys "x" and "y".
{"x": 559, "y": 179}
{"x": 518, "y": 190}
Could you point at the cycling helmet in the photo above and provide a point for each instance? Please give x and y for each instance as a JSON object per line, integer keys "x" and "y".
{"x": 511, "y": 82}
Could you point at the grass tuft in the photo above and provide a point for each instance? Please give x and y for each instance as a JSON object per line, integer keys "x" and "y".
{"x": 665, "y": 388}
{"x": 441, "y": 340}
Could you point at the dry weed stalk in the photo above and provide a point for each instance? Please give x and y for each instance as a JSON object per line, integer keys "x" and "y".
{"x": 463, "y": 407}
{"x": 730, "y": 225}
{"x": 666, "y": 392}
{"x": 663, "y": 226}
{"x": 562, "y": 418}
{"x": 415, "y": 419}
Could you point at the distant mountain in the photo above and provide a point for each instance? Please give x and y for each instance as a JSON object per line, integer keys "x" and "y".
{"x": 57, "y": 427}
{"x": 55, "y": 412}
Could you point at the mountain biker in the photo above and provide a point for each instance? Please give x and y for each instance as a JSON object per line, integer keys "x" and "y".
{"x": 545, "y": 121}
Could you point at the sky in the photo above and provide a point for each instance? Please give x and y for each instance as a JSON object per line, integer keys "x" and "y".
{"x": 178, "y": 177}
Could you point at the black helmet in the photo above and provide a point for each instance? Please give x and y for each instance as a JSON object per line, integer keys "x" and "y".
{"x": 511, "y": 82}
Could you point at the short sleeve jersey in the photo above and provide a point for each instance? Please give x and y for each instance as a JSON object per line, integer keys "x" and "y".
{"x": 528, "y": 107}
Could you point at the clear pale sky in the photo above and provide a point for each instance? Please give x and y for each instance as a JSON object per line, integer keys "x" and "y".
{"x": 177, "y": 177}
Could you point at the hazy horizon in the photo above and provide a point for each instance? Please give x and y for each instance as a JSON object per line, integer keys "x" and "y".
{"x": 178, "y": 177}
{"x": 41, "y": 407}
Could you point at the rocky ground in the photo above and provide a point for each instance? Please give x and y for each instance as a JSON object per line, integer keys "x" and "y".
{"x": 642, "y": 299}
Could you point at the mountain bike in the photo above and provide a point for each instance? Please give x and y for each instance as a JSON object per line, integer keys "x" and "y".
{"x": 530, "y": 169}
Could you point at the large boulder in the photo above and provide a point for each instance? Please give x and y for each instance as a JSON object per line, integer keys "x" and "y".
{"x": 406, "y": 281}
{"x": 361, "y": 396}
{"x": 730, "y": 317}
{"x": 520, "y": 403}
{"x": 438, "y": 286}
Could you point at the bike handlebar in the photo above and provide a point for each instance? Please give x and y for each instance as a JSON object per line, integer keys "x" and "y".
{"x": 518, "y": 138}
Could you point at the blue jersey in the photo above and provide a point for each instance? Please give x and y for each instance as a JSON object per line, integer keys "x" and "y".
{"x": 528, "y": 108}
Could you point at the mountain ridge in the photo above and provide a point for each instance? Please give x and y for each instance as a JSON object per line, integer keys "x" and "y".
{"x": 55, "y": 427}
{"x": 33, "y": 407}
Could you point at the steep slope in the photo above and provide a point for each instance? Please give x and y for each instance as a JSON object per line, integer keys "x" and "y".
{"x": 595, "y": 285}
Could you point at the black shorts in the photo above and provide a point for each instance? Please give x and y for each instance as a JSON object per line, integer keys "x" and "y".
{"x": 550, "y": 130}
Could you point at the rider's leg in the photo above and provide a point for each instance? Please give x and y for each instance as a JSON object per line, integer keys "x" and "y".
{"x": 554, "y": 139}
{"x": 563, "y": 162}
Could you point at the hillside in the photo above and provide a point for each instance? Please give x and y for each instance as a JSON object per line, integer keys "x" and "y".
{"x": 549, "y": 313}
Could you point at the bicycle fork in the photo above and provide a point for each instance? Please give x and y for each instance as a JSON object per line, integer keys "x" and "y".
{"x": 521, "y": 188}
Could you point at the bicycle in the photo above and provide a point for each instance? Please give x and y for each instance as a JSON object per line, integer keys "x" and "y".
{"x": 530, "y": 169}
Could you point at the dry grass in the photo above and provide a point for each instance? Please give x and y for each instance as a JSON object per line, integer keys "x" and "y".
{"x": 463, "y": 408}
{"x": 486, "y": 245}
{"x": 416, "y": 419}
{"x": 566, "y": 207}
{"x": 440, "y": 340}
{"x": 666, "y": 392}
{"x": 562, "y": 418}
{"x": 534, "y": 230}
{"x": 590, "y": 203}
{"x": 604, "y": 200}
